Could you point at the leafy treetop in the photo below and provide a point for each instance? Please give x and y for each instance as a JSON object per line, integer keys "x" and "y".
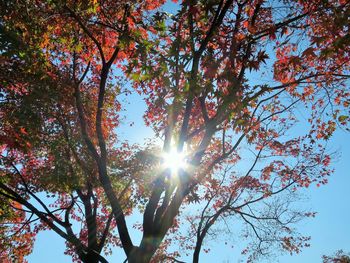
{"x": 221, "y": 81}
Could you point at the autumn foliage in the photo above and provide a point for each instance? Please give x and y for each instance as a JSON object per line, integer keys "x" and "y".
{"x": 225, "y": 83}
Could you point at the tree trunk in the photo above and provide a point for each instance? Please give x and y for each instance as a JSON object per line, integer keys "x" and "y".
{"x": 90, "y": 258}
{"x": 139, "y": 255}
{"x": 197, "y": 251}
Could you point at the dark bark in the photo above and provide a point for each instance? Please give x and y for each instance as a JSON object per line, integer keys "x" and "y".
{"x": 197, "y": 251}
{"x": 142, "y": 254}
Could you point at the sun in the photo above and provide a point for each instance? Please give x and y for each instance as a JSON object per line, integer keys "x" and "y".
{"x": 174, "y": 160}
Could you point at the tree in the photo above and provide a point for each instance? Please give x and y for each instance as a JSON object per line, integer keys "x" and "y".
{"x": 221, "y": 81}
{"x": 338, "y": 257}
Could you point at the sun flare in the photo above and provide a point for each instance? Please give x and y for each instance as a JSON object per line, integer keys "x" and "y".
{"x": 174, "y": 160}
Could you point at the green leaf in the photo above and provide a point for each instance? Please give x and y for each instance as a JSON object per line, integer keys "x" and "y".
{"x": 135, "y": 76}
{"x": 187, "y": 87}
{"x": 342, "y": 118}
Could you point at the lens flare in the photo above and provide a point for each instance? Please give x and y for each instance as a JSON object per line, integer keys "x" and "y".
{"x": 174, "y": 160}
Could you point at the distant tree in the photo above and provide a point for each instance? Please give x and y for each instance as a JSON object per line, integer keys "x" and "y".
{"x": 339, "y": 257}
{"x": 225, "y": 83}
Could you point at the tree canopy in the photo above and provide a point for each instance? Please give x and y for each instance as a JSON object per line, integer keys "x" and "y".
{"x": 226, "y": 84}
